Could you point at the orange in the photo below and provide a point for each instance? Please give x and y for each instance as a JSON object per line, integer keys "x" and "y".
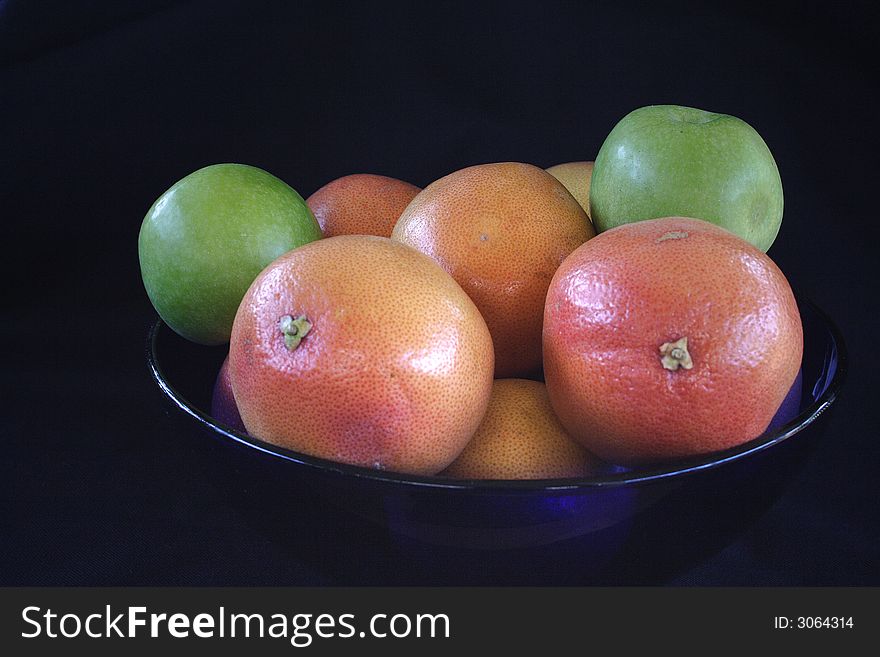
{"x": 521, "y": 438}
{"x": 360, "y": 204}
{"x": 501, "y": 230}
{"x": 361, "y": 350}
{"x": 668, "y": 338}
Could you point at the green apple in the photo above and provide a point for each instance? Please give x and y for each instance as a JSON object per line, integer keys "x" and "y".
{"x": 668, "y": 160}
{"x": 204, "y": 241}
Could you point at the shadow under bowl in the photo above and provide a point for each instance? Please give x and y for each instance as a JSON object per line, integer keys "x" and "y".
{"x": 361, "y": 526}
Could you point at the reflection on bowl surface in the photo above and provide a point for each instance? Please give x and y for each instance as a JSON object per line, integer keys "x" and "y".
{"x": 625, "y": 526}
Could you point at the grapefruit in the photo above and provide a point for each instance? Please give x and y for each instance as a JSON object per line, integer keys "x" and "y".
{"x": 361, "y": 204}
{"x": 576, "y": 176}
{"x": 500, "y": 230}
{"x": 520, "y": 437}
{"x": 361, "y": 350}
{"x": 668, "y": 338}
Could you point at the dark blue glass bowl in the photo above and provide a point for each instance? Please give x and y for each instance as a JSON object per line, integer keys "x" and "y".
{"x": 624, "y": 527}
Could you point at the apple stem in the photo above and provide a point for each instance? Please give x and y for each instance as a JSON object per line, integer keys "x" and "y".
{"x": 675, "y": 354}
{"x": 294, "y": 330}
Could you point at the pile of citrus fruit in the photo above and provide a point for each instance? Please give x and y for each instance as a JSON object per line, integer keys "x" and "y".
{"x": 504, "y": 322}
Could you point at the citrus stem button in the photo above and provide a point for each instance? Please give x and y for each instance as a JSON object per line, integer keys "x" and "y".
{"x": 675, "y": 354}
{"x": 294, "y": 330}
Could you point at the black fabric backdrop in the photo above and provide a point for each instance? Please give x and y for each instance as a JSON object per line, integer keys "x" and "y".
{"x": 104, "y": 105}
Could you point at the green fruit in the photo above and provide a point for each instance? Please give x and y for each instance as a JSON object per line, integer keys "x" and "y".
{"x": 667, "y": 160}
{"x": 204, "y": 241}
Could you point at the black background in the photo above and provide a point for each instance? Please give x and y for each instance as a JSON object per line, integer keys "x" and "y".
{"x": 104, "y": 105}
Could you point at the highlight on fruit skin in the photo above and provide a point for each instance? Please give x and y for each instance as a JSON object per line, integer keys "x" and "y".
{"x": 361, "y": 350}
{"x": 520, "y": 437}
{"x": 361, "y": 204}
{"x": 668, "y": 338}
{"x": 500, "y": 230}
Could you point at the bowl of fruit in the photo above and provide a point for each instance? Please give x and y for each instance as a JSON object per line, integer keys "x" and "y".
{"x": 595, "y": 364}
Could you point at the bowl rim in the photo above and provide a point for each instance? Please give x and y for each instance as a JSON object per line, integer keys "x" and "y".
{"x": 661, "y": 471}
